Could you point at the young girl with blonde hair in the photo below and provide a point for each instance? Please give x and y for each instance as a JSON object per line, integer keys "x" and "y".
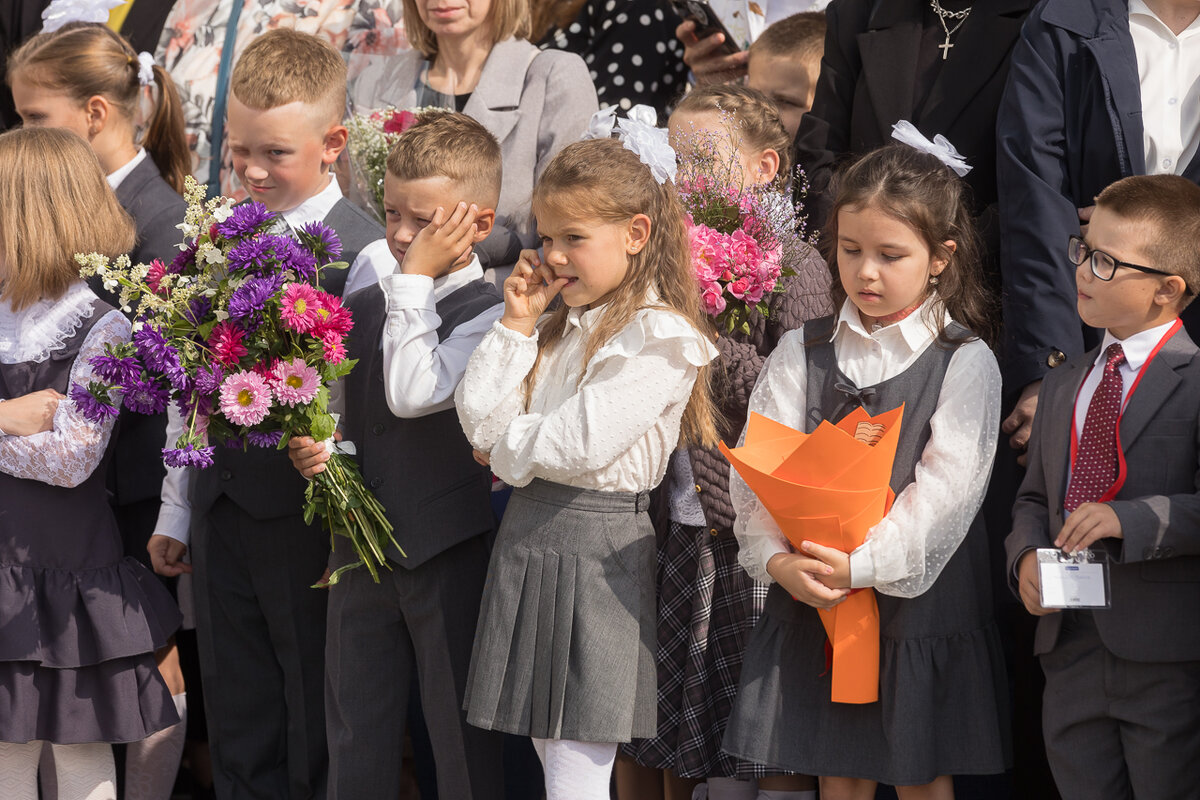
{"x": 580, "y": 410}
{"x": 81, "y": 622}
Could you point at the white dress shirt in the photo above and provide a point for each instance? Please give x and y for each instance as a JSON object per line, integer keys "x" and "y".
{"x": 903, "y": 554}
{"x": 115, "y": 177}
{"x": 420, "y": 373}
{"x": 610, "y": 425}
{"x": 373, "y": 262}
{"x": 1169, "y": 74}
{"x": 1137, "y": 350}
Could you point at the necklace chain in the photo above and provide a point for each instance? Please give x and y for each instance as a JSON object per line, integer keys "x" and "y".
{"x": 943, "y": 15}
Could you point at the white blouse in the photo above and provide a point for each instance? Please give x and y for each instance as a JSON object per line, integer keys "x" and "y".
{"x": 903, "y": 554}
{"x": 610, "y": 426}
{"x": 71, "y": 451}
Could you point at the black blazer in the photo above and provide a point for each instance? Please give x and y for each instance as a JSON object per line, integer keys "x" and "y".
{"x": 143, "y": 24}
{"x": 867, "y": 83}
{"x": 1070, "y": 124}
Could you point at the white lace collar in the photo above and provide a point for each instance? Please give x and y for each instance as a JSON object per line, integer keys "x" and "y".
{"x": 36, "y": 331}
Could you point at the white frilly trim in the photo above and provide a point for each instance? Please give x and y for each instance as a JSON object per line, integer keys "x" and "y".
{"x": 658, "y": 325}
{"x": 36, "y": 331}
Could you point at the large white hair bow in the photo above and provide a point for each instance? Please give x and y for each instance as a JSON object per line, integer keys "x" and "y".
{"x": 60, "y": 12}
{"x": 640, "y": 134}
{"x": 904, "y": 131}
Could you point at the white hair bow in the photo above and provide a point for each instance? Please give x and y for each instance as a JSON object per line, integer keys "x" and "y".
{"x": 640, "y": 134}
{"x": 904, "y": 131}
{"x": 60, "y": 12}
{"x": 145, "y": 68}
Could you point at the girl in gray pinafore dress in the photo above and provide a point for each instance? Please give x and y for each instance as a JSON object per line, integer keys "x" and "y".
{"x": 581, "y": 414}
{"x": 79, "y": 622}
{"x": 942, "y": 707}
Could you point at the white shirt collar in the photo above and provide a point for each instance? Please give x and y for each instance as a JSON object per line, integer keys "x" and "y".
{"x": 115, "y": 177}
{"x": 584, "y": 319}
{"x": 916, "y": 330}
{"x": 1137, "y": 348}
{"x": 315, "y": 208}
{"x": 451, "y": 282}
{"x": 1138, "y": 8}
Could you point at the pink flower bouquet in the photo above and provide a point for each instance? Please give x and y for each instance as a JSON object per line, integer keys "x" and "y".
{"x": 237, "y": 334}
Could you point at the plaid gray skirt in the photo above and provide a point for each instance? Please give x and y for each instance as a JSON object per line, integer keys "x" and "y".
{"x": 564, "y": 648}
{"x": 707, "y": 606}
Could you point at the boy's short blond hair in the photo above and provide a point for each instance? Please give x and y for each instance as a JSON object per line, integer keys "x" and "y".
{"x": 1168, "y": 208}
{"x": 800, "y": 36}
{"x": 54, "y": 203}
{"x": 450, "y": 145}
{"x": 285, "y": 66}
{"x": 509, "y": 19}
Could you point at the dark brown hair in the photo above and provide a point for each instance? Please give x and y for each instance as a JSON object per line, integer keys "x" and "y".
{"x": 549, "y": 14}
{"x": 755, "y": 119}
{"x": 84, "y": 60}
{"x": 923, "y": 193}
{"x": 800, "y": 36}
{"x": 600, "y": 180}
{"x": 286, "y": 66}
{"x": 1169, "y": 207}
{"x": 452, "y": 145}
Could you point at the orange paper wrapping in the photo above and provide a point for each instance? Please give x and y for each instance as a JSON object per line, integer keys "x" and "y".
{"x": 829, "y": 487}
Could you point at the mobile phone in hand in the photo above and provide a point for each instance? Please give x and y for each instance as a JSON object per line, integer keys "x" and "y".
{"x": 706, "y": 21}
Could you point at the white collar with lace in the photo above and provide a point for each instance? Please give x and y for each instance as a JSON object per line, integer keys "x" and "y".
{"x": 37, "y": 330}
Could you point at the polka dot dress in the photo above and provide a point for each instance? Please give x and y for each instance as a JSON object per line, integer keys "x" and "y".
{"x": 631, "y": 51}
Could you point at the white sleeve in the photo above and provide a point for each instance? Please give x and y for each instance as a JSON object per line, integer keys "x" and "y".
{"x": 373, "y": 262}
{"x": 631, "y": 382}
{"x": 780, "y": 395}
{"x": 492, "y": 391}
{"x": 69, "y": 453}
{"x": 175, "y": 513}
{"x": 904, "y": 554}
{"x": 420, "y": 372}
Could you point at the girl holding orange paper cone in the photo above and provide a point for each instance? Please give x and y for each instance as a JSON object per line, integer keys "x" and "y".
{"x": 911, "y": 333}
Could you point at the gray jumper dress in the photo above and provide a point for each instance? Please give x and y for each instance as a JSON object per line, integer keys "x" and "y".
{"x": 942, "y": 706}
{"x": 79, "y": 620}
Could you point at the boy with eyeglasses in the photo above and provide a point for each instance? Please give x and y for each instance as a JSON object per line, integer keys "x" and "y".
{"x": 1114, "y": 465}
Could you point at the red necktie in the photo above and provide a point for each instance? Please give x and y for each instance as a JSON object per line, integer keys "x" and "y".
{"x": 1095, "y": 467}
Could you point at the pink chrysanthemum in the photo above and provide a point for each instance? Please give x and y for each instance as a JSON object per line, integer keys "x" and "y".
{"x": 335, "y": 351}
{"x": 225, "y": 341}
{"x": 154, "y": 277}
{"x": 245, "y": 398}
{"x": 295, "y": 382}
{"x": 334, "y": 319}
{"x": 301, "y": 307}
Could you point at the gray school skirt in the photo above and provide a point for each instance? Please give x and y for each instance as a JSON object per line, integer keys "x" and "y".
{"x": 565, "y": 644}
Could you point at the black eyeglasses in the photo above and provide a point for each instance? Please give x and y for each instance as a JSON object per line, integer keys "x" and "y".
{"x": 1103, "y": 265}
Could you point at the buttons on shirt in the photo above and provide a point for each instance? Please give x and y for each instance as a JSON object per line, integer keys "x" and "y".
{"x": 376, "y": 482}
{"x": 226, "y": 475}
{"x": 697, "y": 488}
{"x": 713, "y": 531}
{"x": 1172, "y": 101}
{"x": 377, "y": 429}
{"x": 1056, "y": 358}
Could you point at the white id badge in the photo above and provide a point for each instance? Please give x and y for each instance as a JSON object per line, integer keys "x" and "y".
{"x": 1073, "y": 581}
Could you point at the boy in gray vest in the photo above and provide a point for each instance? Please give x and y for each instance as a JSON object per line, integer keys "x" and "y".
{"x": 260, "y": 627}
{"x": 413, "y": 334}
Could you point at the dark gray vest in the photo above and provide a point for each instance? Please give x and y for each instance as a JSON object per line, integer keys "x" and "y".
{"x": 421, "y": 469}
{"x": 263, "y": 482}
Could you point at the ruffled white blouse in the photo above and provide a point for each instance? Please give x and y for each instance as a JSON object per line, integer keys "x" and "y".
{"x": 610, "y": 425}
{"x": 68, "y": 454}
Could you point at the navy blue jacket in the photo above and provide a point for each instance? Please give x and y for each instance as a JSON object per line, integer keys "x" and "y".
{"x": 1070, "y": 124}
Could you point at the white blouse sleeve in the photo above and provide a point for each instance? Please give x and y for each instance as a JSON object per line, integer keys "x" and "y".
{"x": 492, "y": 391}
{"x": 904, "y": 554}
{"x": 780, "y": 395}
{"x": 68, "y": 454}
{"x": 632, "y": 381}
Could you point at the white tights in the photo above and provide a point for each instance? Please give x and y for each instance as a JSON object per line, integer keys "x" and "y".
{"x": 151, "y": 764}
{"x": 83, "y": 771}
{"x": 576, "y": 770}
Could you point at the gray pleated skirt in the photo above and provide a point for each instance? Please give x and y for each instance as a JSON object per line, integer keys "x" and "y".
{"x": 564, "y": 648}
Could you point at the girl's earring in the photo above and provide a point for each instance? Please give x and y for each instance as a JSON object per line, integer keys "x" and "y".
{"x": 933, "y": 280}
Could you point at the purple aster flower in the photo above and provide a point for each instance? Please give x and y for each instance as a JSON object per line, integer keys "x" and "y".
{"x": 198, "y": 309}
{"x": 300, "y": 259}
{"x": 93, "y": 402}
{"x": 321, "y": 240}
{"x": 208, "y": 379}
{"x": 246, "y": 218}
{"x": 146, "y": 397}
{"x": 122, "y": 371}
{"x": 188, "y": 456}
{"x": 153, "y": 349}
{"x": 264, "y": 439}
{"x": 249, "y": 298}
{"x": 185, "y": 259}
{"x": 252, "y": 255}
{"x": 179, "y": 378}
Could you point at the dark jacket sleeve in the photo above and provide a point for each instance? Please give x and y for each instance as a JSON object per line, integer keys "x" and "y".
{"x": 1036, "y": 211}
{"x": 1031, "y": 513}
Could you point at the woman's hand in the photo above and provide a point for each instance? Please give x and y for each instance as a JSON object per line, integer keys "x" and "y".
{"x": 29, "y": 414}
{"x": 708, "y": 62}
{"x": 799, "y": 576}
{"x": 528, "y": 291}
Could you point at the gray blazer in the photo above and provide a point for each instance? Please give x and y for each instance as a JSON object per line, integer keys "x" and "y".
{"x": 534, "y": 102}
{"x": 1155, "y": 573}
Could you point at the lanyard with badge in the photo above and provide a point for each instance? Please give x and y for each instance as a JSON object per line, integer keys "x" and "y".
{"x": 1080, "y": 580}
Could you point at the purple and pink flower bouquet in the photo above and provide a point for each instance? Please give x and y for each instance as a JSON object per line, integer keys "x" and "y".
{"x": 238, "y": 335}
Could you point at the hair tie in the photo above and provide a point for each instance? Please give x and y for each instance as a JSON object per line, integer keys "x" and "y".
{"x": 145, "y": 63}
{"x": 940, "y": 148}
{"x": 640, "y": 135}
{"x": 61, "y": 12}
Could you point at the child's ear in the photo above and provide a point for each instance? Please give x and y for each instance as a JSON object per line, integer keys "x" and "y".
{"x": 335, "y": 142}
{"x": 936, "y": 265}
{"x": 485, "y": 220}
{"x": 637, "y": 234}
{"x": 1171, "y": 291}
{"x": 97, "y": 108}
{"x": 767, "y": 166}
